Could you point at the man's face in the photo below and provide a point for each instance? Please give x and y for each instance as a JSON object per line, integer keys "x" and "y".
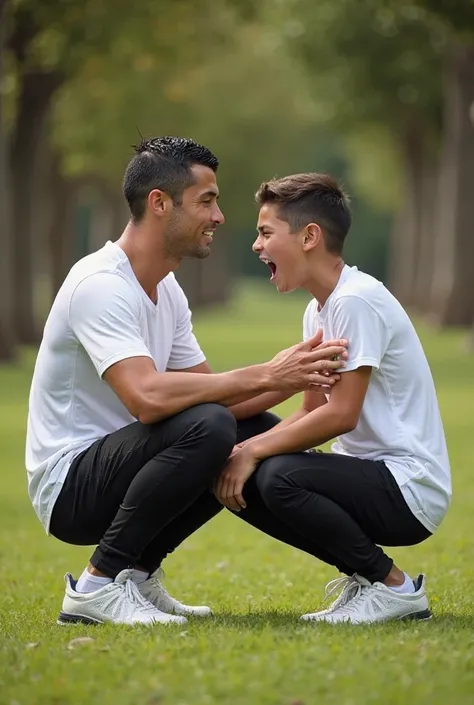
{"x": 192, "y": 224}
{"x": 280, "y": 249}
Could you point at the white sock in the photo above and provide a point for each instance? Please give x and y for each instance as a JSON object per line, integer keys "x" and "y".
{"x": 407, "y": 587}
{"x": 91, "y": 583}
{"x": 139, "y": 576}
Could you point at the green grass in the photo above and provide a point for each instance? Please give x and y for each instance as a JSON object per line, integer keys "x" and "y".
{"x": 254, "y": 650}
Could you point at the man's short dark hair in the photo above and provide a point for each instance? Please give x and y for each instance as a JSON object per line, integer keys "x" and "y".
{"x": 310, "y": 198}
{"x": 163, "y": 163}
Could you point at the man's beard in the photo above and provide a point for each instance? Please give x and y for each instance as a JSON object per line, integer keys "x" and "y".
{"x": 178, "y": 245}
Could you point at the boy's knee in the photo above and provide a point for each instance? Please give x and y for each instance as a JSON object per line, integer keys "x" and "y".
{"x": 271, "y": 479}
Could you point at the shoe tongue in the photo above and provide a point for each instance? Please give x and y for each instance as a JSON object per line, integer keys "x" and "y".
{"x": 124, "y": 575}
{"x": 363, "y": 581}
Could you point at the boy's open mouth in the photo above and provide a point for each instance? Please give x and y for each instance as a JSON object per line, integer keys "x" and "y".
{"x": 271, "y": 265}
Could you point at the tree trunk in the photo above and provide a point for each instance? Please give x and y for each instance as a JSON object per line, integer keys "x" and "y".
{"x": 452, "y": 295}
{"x": 61, "y": 233}
{"x": 424, "y": 257}
{"x": 207, "y": 282}
{"x": 34, "y": 102}
{"x": 405, "y": 236}
{"x": 7, "y": 338}
{"x": 215, "y": 273}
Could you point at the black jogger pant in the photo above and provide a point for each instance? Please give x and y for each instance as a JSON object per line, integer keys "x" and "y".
{"x": 141, "y": 491}
{"x": 336, "y": 508}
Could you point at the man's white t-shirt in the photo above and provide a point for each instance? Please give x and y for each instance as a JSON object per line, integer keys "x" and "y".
{"x": 100, "y": 316}
{"x": 400, "y": 421}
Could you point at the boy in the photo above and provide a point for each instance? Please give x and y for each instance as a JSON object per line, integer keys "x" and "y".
{"x": 387, "y": 480}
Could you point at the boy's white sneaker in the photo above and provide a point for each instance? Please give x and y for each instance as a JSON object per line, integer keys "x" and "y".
{"x": 154, "y": 591}
{"x": 118, "y": 602}
{"x": 375, "y": 602}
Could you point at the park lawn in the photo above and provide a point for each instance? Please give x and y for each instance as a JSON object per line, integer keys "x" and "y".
{"x": 254, "y": 650}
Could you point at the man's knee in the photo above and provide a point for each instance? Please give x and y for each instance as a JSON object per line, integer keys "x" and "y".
{"x": 218, "y": 424}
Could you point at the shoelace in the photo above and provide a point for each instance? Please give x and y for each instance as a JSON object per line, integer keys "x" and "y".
{"x": 134, "y": 595}
{"x": 362, "y": 595}
{"x": 338, "y": 585}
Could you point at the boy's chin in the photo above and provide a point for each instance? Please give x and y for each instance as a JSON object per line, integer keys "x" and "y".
{"x": 285, "y": 288}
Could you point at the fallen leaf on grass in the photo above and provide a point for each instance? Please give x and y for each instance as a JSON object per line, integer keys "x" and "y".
{"x": 80, "y": 641}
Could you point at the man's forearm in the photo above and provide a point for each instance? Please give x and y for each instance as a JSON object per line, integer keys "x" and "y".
{"x": 169, "y": 393}
{"x": 308, "y": 431}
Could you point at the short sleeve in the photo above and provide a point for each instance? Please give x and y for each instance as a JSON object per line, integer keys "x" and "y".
{"x": 308, "y": 320}
{"x": 103, "y": 315}
{"x": 185, "y": 351}
{"x": 365, "y": 330}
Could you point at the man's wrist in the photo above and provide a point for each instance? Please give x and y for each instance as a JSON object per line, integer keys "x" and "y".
{"x": 266, "y": 378}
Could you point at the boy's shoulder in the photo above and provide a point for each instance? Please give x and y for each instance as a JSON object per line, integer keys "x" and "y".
{"x": 361, "y": 290}
{"x": 358, "y": 283}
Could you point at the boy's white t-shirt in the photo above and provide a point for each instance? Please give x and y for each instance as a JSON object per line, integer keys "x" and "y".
{"x": 400, "y": 422}
{"x": 101, "y": 315}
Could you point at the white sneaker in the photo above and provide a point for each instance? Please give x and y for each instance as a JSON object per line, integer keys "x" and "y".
{"x": 118, "y": 602}
{"x": 347, "y": 585}
{"x": 375, "y": 602}
{"x": 153, "y": 590}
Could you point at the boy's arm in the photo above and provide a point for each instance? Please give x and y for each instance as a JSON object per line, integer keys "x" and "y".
{"x": 359, "y": 321}
{"x": 311, "y": 401}
{"x": 338, "y": 416}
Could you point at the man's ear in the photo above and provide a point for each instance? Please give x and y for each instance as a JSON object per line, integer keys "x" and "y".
{"x": 312, "y": 236}
{"x": 159, "y": 202}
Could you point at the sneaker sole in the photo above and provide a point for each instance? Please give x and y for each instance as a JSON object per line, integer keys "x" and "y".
{"x": 423, "y": 615}
{"x": 65, "y": 619}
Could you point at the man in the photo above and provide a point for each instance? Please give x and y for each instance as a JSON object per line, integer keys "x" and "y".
{"x": 387, "y": 481}
{"x": 123, "y": 444}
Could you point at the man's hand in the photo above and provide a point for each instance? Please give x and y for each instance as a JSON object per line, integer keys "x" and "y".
{"x": 230, "y": 484}
{"x": 307, "y": 364}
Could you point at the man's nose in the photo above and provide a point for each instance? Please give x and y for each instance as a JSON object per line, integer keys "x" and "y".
{"x": 218, "y": 216}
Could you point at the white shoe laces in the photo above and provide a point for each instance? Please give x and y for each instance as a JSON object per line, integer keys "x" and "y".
{"x": 133, "y": 595}
{"x": 338, "y": 584}
{"x": 343, "y": 586}
{"x": 363, "y": 594}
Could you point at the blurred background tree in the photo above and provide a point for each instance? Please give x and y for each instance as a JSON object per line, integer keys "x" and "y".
{"x": 377, "y": 92}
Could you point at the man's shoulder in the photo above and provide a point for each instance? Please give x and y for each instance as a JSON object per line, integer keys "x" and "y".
{"x": 101, "y": 272}
{"x": 106, "y": 259}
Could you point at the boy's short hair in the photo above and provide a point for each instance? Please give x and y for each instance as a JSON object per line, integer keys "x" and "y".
{"x": 310, "y": 198}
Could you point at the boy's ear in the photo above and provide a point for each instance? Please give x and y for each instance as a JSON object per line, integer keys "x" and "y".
{"x": 312, "y": 236}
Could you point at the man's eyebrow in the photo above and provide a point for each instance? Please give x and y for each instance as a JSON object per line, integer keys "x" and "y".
{"x": 210, "y": 192}
{"x": 261, "y": 228}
